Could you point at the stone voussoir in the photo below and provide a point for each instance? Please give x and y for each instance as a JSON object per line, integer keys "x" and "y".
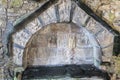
{"x": 101, "y": 34}
{"x": 79, "y": 16}
{"x": 48, "y": 16}
{"x": 64, "y": 10}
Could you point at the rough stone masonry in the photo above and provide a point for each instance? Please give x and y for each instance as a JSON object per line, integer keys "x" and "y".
{"x": 12, "y": 10}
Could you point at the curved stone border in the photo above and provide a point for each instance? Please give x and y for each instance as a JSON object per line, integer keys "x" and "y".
{"x": 52, "y": 13}
{"x": 49, "y": 16}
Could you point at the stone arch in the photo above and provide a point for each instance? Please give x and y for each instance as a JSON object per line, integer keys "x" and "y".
{"x": 68, "y": 12}
{"x": 49, "y": 16}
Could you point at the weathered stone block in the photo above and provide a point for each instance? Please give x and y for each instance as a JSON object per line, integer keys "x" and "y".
{"x": 2, "y": 73}
{"x": 49, "y": 16}
{"x": 33, "y": 26}
{"x": 79, "y": 16}
{"x": 17, "y": 57}
{"x": 106, "y": 41}
{"x": 108, "y": 51}
{"x": 81, "y": 40}
{"x": 105, "y": 38}
{"x": 2, "y": 23}
{"x": 21, "y": 38}
{"x": 64, "y": 11}
{"x": 94, "y": 27}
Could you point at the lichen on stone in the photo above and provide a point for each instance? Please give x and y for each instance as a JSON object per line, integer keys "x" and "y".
{"x": 117, "y": 65}
{"x": 16, "y": 3}
{"x": 111, "y": 17}
{"x": 109, "y": 11}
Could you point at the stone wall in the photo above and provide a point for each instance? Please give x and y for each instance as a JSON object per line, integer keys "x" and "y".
{"x": 11, "y": 10}
{"x": 56, "y": 15}
{"x": 64, "y": 12}
{"x": 108, "y": 10}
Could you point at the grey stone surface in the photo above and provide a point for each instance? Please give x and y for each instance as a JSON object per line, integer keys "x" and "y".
{"x": 79, "y": 16}
{"x": 64, "y": 10}
{"x": 17, "y": 57}
{"x": 82, "y": 40}
{"x": 106, "y": 41}
{"x": 12, "y": 12}
{"x": 108, "y": 10}
{"x": 2, "y": 22}
{"x": 108, "y": 51}
{"x": 33, "y": 26}
{"x": 2, "y": 28}
{"x": 49, "y": 16}
{"x": 94, "y": 27}
{"x": 24, "y": 35}
{"x": 103, "y": 36}
{"x": 1, "y": 73}
{"x": 21, "y": 38}
{"x": 7, "y": 31}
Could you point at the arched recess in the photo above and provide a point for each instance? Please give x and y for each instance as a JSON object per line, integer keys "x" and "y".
{"x": 67, "y": 12}
{"x": 64, "y": 11}
{"x": 61, "y": 44}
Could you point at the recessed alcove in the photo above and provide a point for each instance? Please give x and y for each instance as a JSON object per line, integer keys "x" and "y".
{"x": 64, "y": 33}
{"x": 61, "y": 44}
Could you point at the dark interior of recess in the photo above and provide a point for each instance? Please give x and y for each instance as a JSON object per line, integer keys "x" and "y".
{"x": 73, "y": 71}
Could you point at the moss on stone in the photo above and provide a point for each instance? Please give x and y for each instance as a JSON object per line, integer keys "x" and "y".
{"x": 4, "y": 1}
{"x": 16, "y": 3}
{"x": 111, "y": 17}
{"x": 117, "y": 64}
